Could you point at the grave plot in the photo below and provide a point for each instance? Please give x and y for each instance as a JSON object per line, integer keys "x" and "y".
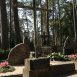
{"x": 16, "y": 57}
{"x": 40, "y": 67}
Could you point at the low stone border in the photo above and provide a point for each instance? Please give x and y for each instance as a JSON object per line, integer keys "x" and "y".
{"x": 47, "y": 71}
{"x": 57, "y": 70}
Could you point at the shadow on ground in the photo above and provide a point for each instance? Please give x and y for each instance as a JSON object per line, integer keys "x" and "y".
{"x": 72, "y": 74}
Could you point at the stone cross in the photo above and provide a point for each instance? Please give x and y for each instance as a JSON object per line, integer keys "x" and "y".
{"x": 44, "y": 36}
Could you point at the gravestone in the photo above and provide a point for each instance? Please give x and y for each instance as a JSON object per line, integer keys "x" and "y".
{"x": 40, "y": 67}
{"x": 68, "y": 46}
{"x": 37, "y": 67}
{"x": 18, "y": 54}
{"x": 33, "y": 64}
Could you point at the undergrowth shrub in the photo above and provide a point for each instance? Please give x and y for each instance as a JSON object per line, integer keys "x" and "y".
{"x": 4, "y": 54}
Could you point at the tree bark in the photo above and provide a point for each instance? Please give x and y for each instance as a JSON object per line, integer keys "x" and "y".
{"x": 75, "y": 18}
{"x": 53, "y": 25}
{"x": 47, "y": 20}
{"x": 35, "y": 38}
{"x": 16, "y": 22}
{"x": 41, "y": 24}
{"x": 4, "y": 26}
{"x": 59, "y": 25}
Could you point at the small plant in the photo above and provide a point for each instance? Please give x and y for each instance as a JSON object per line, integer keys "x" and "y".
{"x": 4, "y": 64}
{"x": 73, "y": 56}
{"x": 4, "y": 53}
{"x": 58, "y": 56}
{"x": 5, "y": 67}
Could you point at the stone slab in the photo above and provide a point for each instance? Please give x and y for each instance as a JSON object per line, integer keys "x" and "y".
{"x": 51, "y": 71}
{"x": 18, "y": 54}
{"x": 69, "y": 43}
{"x": 62, "y": 69}
{"x": 68, "y": 48}
{"x": 44, "y": 72}
{"x": 32, "y": 64}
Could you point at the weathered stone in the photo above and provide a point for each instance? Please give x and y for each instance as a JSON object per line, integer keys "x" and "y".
{"x": 68, "y": 46}
{"x": 62, "y": 69}
{"x": 47, "y": 71}
{"x": 18, "y": 54}
{"x": 44, "y": 72}
{"x": 32, "y": 64}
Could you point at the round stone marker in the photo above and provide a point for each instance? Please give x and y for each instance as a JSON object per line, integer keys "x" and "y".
{"x": 18, "y": 54}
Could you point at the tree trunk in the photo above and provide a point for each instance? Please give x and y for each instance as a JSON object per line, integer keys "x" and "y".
{"x": 47, "y": 20}
{"x": 3, "y": 23}
{"x": 41, "y": 23}
{"x": 53, "y": 25}
{"x": 35, "y": 38}
{"x": 16, "y": 22}
{"x": 59, "y": 25}
{"x": 75, "y": 18}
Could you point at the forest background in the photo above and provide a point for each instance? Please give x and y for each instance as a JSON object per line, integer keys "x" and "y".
{"x": 25, "y": 19}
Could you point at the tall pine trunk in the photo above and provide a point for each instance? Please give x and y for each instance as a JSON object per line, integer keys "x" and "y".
{"x": 16, "y": 22}
{"x": 75, "y": 19}
{"x": 3, "y": 23}
{"x": 59, "y": 25}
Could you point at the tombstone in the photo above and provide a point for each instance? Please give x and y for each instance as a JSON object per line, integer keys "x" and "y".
{"x": 68, "y": 46}
{"x": 37, "y": 63}
{"x": 41, "y": 68}
{"x": 37, "y": 67}
{"x": 18, "y": 54}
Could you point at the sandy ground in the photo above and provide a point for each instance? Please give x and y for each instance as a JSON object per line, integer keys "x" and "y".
{"x": 18, "y": 70}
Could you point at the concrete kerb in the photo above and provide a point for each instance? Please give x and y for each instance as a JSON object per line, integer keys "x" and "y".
{"x": 50, "y": 71}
